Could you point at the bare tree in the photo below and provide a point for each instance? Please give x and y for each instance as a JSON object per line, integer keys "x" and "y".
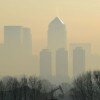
{"x": 24, "y": 87}
{"x": 83, "y": 87}
{"x": 31, "y": 88}
{"x": 33, "y": 85}
{"x": 1, "y": 90}
{"x": 15, "y": 89}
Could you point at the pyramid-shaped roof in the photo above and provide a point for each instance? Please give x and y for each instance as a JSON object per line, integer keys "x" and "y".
{"x": 56, "y": 21}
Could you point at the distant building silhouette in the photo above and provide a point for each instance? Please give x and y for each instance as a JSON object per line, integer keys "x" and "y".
{"x": 27, "y": 40}
{"x": 56, "y": 34}
{"x": 16, "y": 52}
{"x": 86, "y": 47}
{"x": 62, "y": 65}
{"x": 45, "y": 64}
{"x": 56, "y": 39}
{"x": 12, "y": 47}
{"x": 12, "y": 36}
{"x": 78, "y": 61}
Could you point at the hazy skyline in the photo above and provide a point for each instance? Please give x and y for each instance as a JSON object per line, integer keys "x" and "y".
{"x": 81, "y": 19}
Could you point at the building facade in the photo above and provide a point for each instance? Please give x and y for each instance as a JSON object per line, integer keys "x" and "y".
{"x": 45, "y": 64}
{"x": 78, "y": 61}
{"x": 62, "y": 64}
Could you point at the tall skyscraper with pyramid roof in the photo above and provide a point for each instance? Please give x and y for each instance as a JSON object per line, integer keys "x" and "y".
{"x": 56, "y": 34}
{"x": 56, "y": 41}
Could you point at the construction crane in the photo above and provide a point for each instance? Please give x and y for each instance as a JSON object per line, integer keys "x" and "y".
{"x": 51, "y": 93}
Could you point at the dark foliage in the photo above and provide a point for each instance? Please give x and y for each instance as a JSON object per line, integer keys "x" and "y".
{"x": 30, "y": 88}
{"x": 86, "y": 87}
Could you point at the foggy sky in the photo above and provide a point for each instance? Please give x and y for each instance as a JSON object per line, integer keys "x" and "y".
{"x": 82, "y": 19}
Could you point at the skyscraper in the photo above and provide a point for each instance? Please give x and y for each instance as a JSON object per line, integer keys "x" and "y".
{"x": 86, "y": 47}
{"x": 16, "y": 37}
{"x": 56, "y": 34}
{"x": 56, "y": 39}
{"x": 78, "y": 61}
{"x": 62, "y": 65}
{"x": 27, "y": 40}
{"x": 45, "y": 64}
{"x": 12, "y": 36}
{"x": 17, "y": 49}
{"x": 12, "y": 46}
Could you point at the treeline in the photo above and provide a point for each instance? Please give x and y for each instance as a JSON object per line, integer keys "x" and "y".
{"x": 86, "y": 87}
{"x": 30, "y": 88}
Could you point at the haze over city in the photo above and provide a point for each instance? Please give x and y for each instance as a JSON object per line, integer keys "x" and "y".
{"x": 81, "y": 19}
{"x": 49, "y": 49}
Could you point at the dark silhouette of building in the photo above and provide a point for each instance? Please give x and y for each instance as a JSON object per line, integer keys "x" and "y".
{"x": 45, "y": 64}
{"x": 78, "y": 61}
{"x": 62, "y": 65}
